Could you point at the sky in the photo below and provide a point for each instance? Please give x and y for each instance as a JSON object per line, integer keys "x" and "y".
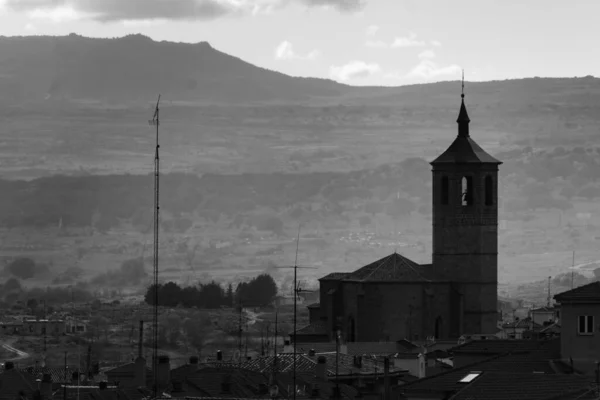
{"x": 357, "y": 42}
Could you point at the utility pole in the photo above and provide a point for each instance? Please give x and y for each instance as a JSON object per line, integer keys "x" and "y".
{"x": 240, "y": 331}
{"x": 66, "y": 381}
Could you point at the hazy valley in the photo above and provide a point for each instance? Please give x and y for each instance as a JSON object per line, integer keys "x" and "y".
{"x": 248, "y": 154}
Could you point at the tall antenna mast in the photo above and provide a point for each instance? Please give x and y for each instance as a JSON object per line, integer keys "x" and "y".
{"x": 295, "y": 304}
{"x": 156, "y": 122}
{"x": 573, "y": 270}
{"x": 549, "y": 296}
{"x": 296, "y": 290}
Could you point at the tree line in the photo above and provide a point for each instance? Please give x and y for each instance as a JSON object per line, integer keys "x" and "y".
{"x": 260, "y": 291}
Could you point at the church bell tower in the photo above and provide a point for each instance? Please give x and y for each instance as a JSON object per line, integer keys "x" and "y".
{"x": 465, "y": 230}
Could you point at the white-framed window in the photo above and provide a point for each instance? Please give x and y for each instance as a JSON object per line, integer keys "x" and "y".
{"x": 585, "y": 325}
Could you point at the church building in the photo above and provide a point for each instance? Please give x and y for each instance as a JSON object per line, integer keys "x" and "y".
{"x": 395, "y": 298}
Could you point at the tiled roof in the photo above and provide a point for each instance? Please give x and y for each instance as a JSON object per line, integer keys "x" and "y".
{"x": 317, "y": 347}
{"x": 283, "y": 363}
{"x": 523, "y": 363}
{"x": 360, "y": 348}
{"x": 312, "y": 329}
{"x": 243, "y": 383}
{"x": 589, "y": 292}
{"x": 390, "y": 268}
{"x": 370, "y": 365}
{"x": 522, "y": 324}
{"x": 465, "y": 150}
{"x": 335, "y": 276}
{"x": 57, "y": 373}
{"x": 514, "y": 386}
{"x": 544, "y": 309}
{"x": 579, "y": 394}
{"x": 555, "y": 327}
{"x": 406, "y": 344}
{"x": 503, "y": 346}
{"x": 306, "y": 381}
{"x": 14, "y": 381}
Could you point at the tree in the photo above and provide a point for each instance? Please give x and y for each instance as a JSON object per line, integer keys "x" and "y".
{"x": 23, "y": 268}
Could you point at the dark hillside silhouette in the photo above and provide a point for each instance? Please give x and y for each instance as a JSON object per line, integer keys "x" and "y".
{"x": 135, "y": 68}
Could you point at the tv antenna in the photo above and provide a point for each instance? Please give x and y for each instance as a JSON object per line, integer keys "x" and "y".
{"x": 549, "y": 296}
{"x": 297, "y": 290}
{"x": 155, "y": 121}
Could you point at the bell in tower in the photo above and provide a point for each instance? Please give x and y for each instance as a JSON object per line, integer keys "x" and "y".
{"x": 465, "y": 228}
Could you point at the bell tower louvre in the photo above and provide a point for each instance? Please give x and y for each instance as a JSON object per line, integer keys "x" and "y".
{"x": 465, "y": 229}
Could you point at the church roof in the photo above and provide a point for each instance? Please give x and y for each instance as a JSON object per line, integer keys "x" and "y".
{"x": 464, "y": 149}
{"x": 583, "y": 294}
{"x": 393, "y": 268}
{"x": 335, "y": 276}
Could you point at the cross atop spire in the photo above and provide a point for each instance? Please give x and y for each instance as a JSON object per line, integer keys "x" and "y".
{"x": 463, "y": 118}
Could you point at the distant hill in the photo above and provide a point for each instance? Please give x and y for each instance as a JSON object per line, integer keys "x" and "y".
{"x": 135, "y": 67}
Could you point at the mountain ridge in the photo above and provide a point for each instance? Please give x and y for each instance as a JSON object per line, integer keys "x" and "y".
{"x": 135, "y": 67}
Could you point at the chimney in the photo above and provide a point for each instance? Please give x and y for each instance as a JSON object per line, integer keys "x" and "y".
{"x": 386, "y": 378}
{"x": 321, "y": 368}
{"x": 9, "y": 365}
{"x": 164, "y": 371}
{"x": 46, "y": 386}
{"x": 194, "y": 360}
{"x": 75, "y": 378}
{"x": 219, "y": 355}
{"x": 141, "y": 340}
{"x": 103, "y": 385}
{"x": 140, "y": 372}
{"x": 311, "y": 353}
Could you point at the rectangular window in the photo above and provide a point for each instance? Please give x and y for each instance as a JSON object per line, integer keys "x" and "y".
{"x": 586, "y": 325}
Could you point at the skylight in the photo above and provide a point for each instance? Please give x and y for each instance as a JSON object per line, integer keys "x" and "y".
{"x": 470, "y": 376}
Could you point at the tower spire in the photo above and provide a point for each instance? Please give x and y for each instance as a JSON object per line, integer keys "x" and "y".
{"x": 463, "y": 118}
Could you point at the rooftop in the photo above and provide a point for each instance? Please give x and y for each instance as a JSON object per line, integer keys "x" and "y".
{"x": 495, "y": 385}
{"x": 582, "y": 294}
{"x": 523, "y": 366}
{"x": 503, "y": 346}
{"x": 392, "y": 268}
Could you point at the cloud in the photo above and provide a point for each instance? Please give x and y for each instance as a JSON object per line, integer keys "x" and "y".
{"x": 372, "y": 30}
{"x": 131, "y": 10}
{"x": 340, "y": 5}
{"x": 427, "y": 69}
{"x": 427, "y": 54}
{"x": 352, "y": 70}
{"x": 30, "y": 27}
{"x": 409, "y": 41}
{"x": 285, "y": 51}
